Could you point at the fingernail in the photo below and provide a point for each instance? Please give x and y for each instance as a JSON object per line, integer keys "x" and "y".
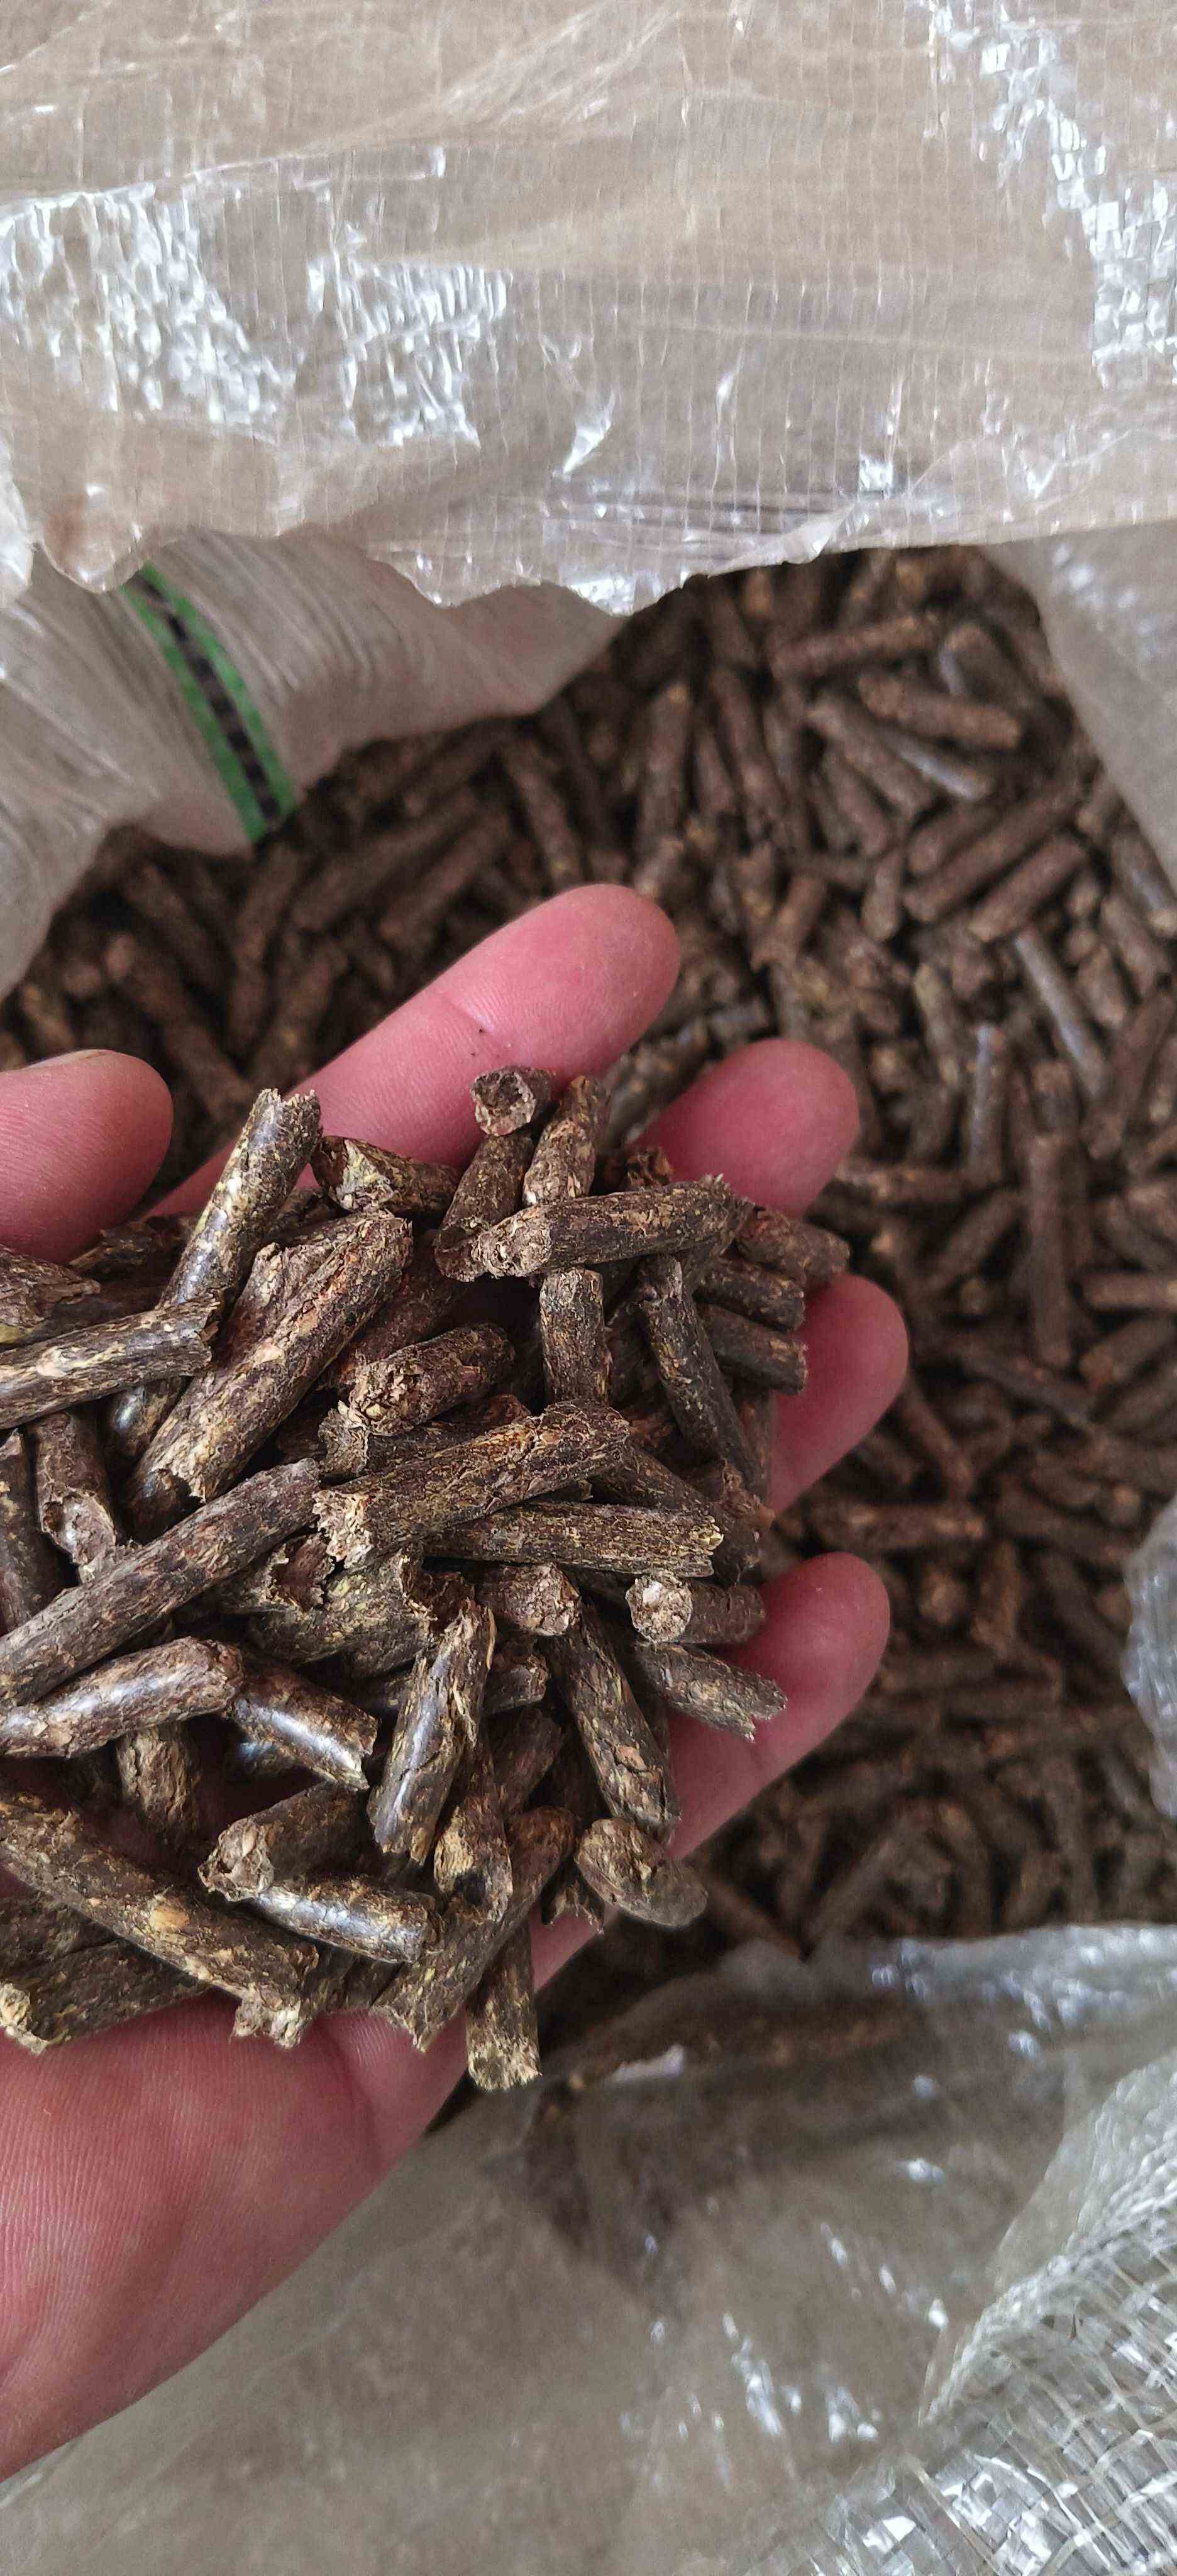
{"x": 53, "y": 1063}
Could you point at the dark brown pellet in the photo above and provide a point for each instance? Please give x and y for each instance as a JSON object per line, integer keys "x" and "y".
{"x": 316, "y": 1829}
{"x": 30, "y": 1571}
{"x": 537, "y": 1597}
{"x": 688, "y": 1370}
{"x": 471, "y": 1860}
{"x": 74, "y": 1503}
{"x": 627, "y": 1867}
{"x": 219, "y": 1246}
{"x": 97, "y": 1989}
{"x": 752, "y": 1350}
{"x": 298, "y": 1310}
{"x": 457, "y": 1484}
{"x": 381, "y": 858}
{"x": 438, "y": 1723}
{"x": 97, "y": 1359}
{"x": 487, "y": 1192}
{"x": 425, "y": 1997}
{"x": 51, "y": 1849}
{"x": 604, "y": 1538}
{"x": 621, "y": 1745}
{"x": 144, "y": 1584}
{"x": 157, "y": 1686}
{"x": 354, "y": 1175}
{"x": 572, "y": 1336}
{"x": 302, "y": 1723}
{"x": 624, "y": 1226}
{"x": 705, "y": 1687}
{"x": 502, "y": 2034}
{"x": 34, "y": 1292}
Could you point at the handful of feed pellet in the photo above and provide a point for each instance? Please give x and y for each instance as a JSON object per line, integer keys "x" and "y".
{"x": 281, "y": 1504}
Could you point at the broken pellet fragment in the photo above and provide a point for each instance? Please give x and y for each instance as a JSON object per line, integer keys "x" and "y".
{"x": 32, "y": 1293}
{"x": 471, "y": 1859}
{"x": 502, "y": 2034}
{"x": 626, "y": 1867}
{"x": 97, "y": 1989}
{"x": 421, "y": 1380}
{"x": 356, "y": 1176}
{"x": 74, "y": 1503}
{"x": 509, "y": 1099}
{"x": 315, "y": 1829}
{"x": 705, "y": 1687}
{"x": 306, "y": 1608}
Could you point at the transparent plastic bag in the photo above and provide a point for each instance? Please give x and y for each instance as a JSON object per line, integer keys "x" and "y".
{"x": 591, "y": 305}
{"x": 867, "y": 2265}
{"x": 332, "y": 648}
{"x": 1150, "y": 1667}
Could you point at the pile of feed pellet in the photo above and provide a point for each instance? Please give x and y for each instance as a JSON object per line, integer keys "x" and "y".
{"x": 443, "y": 1581}
{"x": 865, "y": 801}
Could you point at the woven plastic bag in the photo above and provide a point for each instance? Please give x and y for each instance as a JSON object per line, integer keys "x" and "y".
{"x": 867, "y": 2268}
{"x": 549, "y": 316}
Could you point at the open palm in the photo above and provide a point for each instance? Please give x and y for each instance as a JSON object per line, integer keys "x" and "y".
{"x": 157, "y": 2179}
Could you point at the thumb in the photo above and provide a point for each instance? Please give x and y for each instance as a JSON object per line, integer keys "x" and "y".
{"x": 80, "y": 1139}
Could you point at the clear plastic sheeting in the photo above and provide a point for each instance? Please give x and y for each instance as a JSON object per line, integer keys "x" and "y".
{"x": 1108, "y": 601}
{"x": 600, "y": 297}
{"x": 333, "y": 649}
{"x": 1151, "y": 1663}
{"x": 867, "y": 2268}
{"x": 555, "y": 313}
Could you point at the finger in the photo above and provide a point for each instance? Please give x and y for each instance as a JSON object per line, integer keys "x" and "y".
{"x": 856, "y": 1342}
{"x": 775, "y": 1119}
{"x": 80, "y": 1137}
{"x": 568, "y": 986}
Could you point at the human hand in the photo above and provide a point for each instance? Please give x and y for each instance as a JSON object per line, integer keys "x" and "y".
{"x": 159, "y": 2180}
